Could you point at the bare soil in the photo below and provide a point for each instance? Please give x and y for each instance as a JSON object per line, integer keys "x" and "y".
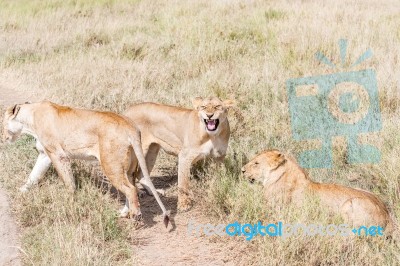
{"x": 156, "y": 245}
{"x": 9, "y": 239}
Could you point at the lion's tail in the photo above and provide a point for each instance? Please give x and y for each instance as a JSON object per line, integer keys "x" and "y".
{"x": 134, "y": 139}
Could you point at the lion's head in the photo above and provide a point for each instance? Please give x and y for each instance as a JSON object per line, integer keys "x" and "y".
{"x": 266, "y": 167}
{"x": 11, "y": 128}
{"x": 212, "y": 112}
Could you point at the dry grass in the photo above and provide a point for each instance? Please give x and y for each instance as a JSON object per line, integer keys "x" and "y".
{"x": 59, "y": 230}
{"x": 108, "y": 54}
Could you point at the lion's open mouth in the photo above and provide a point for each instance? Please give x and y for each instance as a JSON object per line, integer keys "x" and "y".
{"x": 211, "y": 124}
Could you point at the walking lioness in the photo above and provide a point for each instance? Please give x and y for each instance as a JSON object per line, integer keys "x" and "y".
{"x": 63, "y": 133}
{"x": 284, "y": 179}
{"x": 190, "y": 134}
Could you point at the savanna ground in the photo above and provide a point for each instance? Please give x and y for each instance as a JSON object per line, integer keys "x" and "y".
{"x": 109, "y": 54}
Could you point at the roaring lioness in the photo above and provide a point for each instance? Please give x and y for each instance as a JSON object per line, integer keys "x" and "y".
{"x": 285, "y": 180}
{"x": 190, "y": 134}
{"x": 63, "y": 133}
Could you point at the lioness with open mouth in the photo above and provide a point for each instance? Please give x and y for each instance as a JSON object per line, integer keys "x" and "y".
{"x": 283, "y": 179}
{"x": 63, "y": 133}
{"x": 190, "y": 134}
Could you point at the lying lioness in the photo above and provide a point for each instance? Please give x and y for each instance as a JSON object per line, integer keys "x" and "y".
{"x": 283, "y": 179}
{"x": 190, "y": 134}
{"x": 63, "y": 133}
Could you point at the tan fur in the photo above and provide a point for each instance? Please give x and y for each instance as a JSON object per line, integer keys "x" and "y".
{"x": 283, "y": 179}
{"x": 64, "y": 133}
{"x": 182, "y": 132}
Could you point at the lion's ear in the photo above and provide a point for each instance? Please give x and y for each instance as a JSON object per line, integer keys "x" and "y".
{"x": 13, "y": 111}
{"x": 196, "y": 102}
{"x": 279, "y": 159}
{"x": 229, "y": 103}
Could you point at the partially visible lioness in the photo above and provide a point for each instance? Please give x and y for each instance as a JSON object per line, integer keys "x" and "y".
{"x": 285, "y": 180}
{"x": 190, "y": 134}
{"x": 63, "y": 133}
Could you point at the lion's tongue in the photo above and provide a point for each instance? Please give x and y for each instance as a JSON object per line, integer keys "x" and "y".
{"x": 211, "y": 124}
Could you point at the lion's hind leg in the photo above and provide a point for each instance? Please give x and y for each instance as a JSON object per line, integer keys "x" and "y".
{"x": 117, "y": 171}
{"x": 359, "y": 211}
{"x": 132, "y": 176}
{"x": 119, "y": 179}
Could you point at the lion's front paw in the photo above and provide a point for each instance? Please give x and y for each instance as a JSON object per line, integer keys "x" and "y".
{"x": 124, "y": 212}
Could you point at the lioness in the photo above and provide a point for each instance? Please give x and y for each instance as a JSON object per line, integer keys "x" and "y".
{"x": 284, "y": 179}
{"x": 189, "y": 134}
{"x": 63, "y": 133}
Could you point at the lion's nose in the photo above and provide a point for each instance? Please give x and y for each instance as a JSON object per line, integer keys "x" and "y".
{"x": 209, "y": 116}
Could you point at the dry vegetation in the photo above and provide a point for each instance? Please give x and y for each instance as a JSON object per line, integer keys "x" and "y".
{"x": 108, "y": 54}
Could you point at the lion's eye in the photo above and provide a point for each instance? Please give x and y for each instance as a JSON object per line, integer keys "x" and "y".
{"x": 203, "y": 107}
{"x": 256, "y": 163}
{"x": 219, "y": 107}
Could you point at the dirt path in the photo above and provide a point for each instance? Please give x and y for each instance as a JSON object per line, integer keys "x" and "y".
{"x": 9, "y": 244}
{"x": 155, "y": 245}
{"x": 9, "y": 249}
